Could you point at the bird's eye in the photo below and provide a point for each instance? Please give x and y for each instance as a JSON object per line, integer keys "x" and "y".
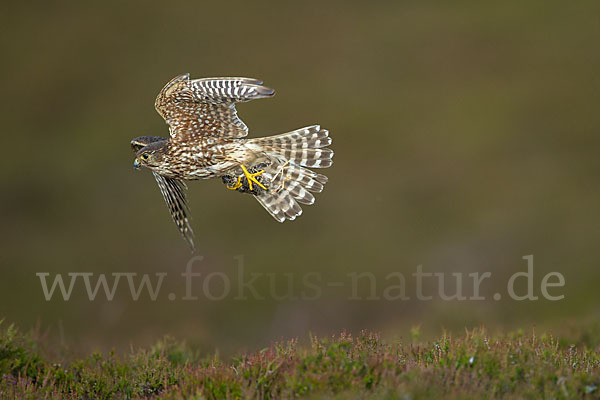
{"x": 145, "y": 156}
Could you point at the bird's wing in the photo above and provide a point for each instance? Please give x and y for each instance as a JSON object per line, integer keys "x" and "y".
{"x": 140, "y": 142}
{"x": 206, "y": 107}
{"x": 173, "y": 191}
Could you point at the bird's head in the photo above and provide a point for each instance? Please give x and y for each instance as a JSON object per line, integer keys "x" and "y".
{"x": 149, "y": 151}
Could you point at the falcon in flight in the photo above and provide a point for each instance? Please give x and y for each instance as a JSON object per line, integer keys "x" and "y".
{"x": 207, "y": 140}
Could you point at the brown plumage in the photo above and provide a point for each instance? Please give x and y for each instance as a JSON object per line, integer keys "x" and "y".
{"x": 207, "y": 141}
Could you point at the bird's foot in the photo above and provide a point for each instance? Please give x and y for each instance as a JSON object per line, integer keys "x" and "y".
{"x": 250, "y": 181}
{"x": 237, "y": 185}
{"x": 252, "y": 177}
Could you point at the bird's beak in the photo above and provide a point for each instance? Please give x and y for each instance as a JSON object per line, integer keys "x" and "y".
{"x": 136, "y": 164}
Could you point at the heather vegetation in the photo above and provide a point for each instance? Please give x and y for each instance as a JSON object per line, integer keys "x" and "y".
{"x": 471, "y": 365}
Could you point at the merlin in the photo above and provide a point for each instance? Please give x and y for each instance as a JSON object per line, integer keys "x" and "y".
{"x": 207, "y": 140}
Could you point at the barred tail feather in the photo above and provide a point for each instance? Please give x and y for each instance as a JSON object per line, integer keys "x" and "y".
{"x": 281, "y": 207}
{"x": 303, "y": 146}
{"x": 291, "y": 181}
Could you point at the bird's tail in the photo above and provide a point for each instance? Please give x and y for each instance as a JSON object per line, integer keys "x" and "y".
{"x": 290, "y": 181}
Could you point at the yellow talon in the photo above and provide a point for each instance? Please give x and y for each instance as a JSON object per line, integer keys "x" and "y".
{"x": 237, "y": 185}
{"x": 251, "y": 178}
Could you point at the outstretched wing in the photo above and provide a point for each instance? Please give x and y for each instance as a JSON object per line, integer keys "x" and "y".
{"x": 173, "y": 191}
{"x": 206, "y": 107}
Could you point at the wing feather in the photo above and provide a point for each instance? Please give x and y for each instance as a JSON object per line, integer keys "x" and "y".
{"x": 173, "y": 191}
{"x": 206, "y": 107}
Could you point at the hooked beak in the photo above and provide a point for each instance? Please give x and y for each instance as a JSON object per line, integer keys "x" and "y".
{"x": 136, "y": 164}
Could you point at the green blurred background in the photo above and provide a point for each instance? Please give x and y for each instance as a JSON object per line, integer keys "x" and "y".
{"x": 466, "y": 137}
